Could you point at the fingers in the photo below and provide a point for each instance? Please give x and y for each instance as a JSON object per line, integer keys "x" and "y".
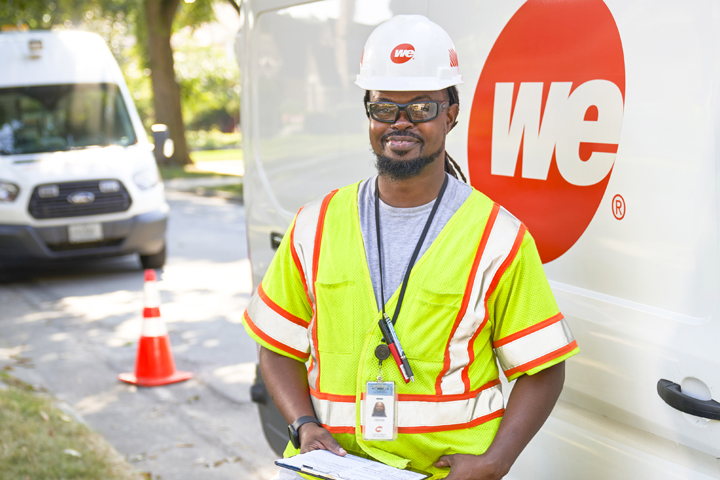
{"x": 443, "y": 462}
{"x": 317, "y": 438}
{"x": 332, "y": 445}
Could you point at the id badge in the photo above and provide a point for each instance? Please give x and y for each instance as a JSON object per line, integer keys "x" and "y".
{"x": 380, "y": 411}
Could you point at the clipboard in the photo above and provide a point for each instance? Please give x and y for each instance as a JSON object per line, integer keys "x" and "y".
{"x": 328, "y": 466}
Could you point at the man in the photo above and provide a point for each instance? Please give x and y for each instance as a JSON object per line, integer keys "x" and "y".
{"x": 416, "y": 258}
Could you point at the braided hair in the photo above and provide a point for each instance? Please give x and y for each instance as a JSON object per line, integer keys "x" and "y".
{"x": 451, "y": 166}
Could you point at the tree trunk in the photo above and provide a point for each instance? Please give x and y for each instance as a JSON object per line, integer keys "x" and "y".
{"x": 159, "y": 15}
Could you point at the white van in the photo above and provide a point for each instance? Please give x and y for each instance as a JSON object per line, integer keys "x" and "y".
{"x": 597, "y": 123}
{"x": 77, "y": 174}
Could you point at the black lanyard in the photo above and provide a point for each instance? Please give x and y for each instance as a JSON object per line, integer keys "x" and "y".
{"x": 415, "y": 253}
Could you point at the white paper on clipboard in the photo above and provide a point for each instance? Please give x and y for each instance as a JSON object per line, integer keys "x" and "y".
{"x": 350, "y": 467}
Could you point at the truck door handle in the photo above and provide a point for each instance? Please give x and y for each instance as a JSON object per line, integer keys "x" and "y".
{"x": 275, "y": 239}
{"x": 672, "y": 395}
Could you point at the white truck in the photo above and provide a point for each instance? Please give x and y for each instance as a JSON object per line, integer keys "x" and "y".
{"x": 77, "y": 174}
{"x": 597, "y": 123}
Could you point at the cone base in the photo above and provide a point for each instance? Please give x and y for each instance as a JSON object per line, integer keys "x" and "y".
{"x": 154, "y": 382}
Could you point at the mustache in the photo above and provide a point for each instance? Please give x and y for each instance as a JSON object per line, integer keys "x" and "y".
{"x": 387, "y": 136}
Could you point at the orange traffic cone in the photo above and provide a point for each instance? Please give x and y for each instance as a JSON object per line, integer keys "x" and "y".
{"x": 154, "y": 364}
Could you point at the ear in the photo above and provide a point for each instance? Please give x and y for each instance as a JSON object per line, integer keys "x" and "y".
{"x": 451, "y": 114}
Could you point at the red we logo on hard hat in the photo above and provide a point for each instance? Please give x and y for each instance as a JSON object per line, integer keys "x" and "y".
{"x": 402, "y": 53}
{"x": 546, "y": 118}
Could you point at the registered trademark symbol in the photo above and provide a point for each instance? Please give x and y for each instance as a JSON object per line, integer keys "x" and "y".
{"x": 618, "y": 207}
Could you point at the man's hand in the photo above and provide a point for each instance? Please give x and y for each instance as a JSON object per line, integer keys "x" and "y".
{"x": 472, "y": 467}
{"x": 315, "y": 437}
{"x": 531, "y": 401}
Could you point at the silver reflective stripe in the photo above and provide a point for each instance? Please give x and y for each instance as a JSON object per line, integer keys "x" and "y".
{"x": 335, "y": 414}
{"x": 304, "y": 240}
{"x": 419, "y": 415}
{"x": 276, "y": 326}
{"x": 306, "y": 225}
{"x": 314, "y": 371}
{"x": 534, "y": 345}
{"x": 498, "y": 247}
{"x": 413, "y": 414}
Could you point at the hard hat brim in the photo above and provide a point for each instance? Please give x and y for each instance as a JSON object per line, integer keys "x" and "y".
{"x": 407, "y": 84}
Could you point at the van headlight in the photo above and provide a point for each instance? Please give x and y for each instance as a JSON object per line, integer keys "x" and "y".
{"x": 8, "y": 191}
{"x": 147, "y": 178}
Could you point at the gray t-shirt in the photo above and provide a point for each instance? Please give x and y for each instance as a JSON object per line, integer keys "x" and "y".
{"x": 400, "y": 229}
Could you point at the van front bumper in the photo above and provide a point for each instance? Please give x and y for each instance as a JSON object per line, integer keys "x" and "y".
{"x": 143, "y": 234}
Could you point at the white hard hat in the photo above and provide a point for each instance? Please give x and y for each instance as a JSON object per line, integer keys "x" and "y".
{"x": 408, "y": 53}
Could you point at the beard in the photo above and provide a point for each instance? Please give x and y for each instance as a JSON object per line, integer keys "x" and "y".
{"x": 403, "y": 169}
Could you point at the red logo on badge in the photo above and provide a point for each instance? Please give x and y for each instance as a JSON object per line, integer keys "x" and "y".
{"x": 546, "y": 118}
{"x": 402, "y": 53}
{"x": 378, "y": 428}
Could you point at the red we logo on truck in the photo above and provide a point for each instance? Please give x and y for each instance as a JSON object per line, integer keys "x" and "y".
{"x": 546, "y": 118}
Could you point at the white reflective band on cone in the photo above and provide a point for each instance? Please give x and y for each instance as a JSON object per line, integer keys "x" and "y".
{"x": 534, "y": 345}
{"x": 154, "y": 327}
{"x": 152, "y": 295}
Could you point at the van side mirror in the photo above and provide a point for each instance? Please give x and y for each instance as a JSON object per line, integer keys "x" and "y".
{"x": 164, "y": 146}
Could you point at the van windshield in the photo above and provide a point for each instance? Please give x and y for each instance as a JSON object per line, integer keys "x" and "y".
{"x": 52, "y": 118}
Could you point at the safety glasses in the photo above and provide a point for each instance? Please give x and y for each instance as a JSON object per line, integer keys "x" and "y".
{"x": 417, "y": 112}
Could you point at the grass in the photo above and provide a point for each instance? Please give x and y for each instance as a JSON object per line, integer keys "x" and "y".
{"x": 168, "y": 172}
{"x": 212, "y": 139}
{"x": 236, "y": 189}
{"x": 216, "y": 155}
{"x": 37, "y": 440}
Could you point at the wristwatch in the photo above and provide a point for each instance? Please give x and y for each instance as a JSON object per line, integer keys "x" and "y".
{"x": 293, "y": 429}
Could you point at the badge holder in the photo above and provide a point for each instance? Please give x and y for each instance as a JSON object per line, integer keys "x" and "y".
{"x": 380, "y": 411}
{"x": 381, "y": 401}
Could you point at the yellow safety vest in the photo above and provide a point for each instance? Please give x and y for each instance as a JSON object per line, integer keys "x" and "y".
{"x": 478, "y": 293}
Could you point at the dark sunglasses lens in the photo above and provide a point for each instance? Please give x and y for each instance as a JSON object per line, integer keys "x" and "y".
{"x": 384, "y": 112}
{"x": 422, "y": 111}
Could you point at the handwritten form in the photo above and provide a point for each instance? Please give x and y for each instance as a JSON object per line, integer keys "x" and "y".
{"x": 324, "y": 464}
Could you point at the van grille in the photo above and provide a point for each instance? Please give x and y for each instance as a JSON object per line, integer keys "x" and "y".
{"x": 60, "y": 207}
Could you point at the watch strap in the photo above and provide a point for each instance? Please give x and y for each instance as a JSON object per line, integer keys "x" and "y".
{"x": 295, "y": 427}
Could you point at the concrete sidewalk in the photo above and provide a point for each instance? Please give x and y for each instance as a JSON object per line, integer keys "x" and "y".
{"x": 73, "y": 328}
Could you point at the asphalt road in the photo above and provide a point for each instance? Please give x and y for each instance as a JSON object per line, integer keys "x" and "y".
{"x": 72, "y": 329}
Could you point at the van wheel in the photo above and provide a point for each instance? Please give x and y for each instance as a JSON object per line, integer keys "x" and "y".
{"x": 156, "y": 260}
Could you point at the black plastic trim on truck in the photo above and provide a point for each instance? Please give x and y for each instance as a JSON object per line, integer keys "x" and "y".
{"x": 672, "y": 394}
{"x": 58, "y": 206}
{"x": 273, "y": 424}
{"x": 275, "y": 239}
